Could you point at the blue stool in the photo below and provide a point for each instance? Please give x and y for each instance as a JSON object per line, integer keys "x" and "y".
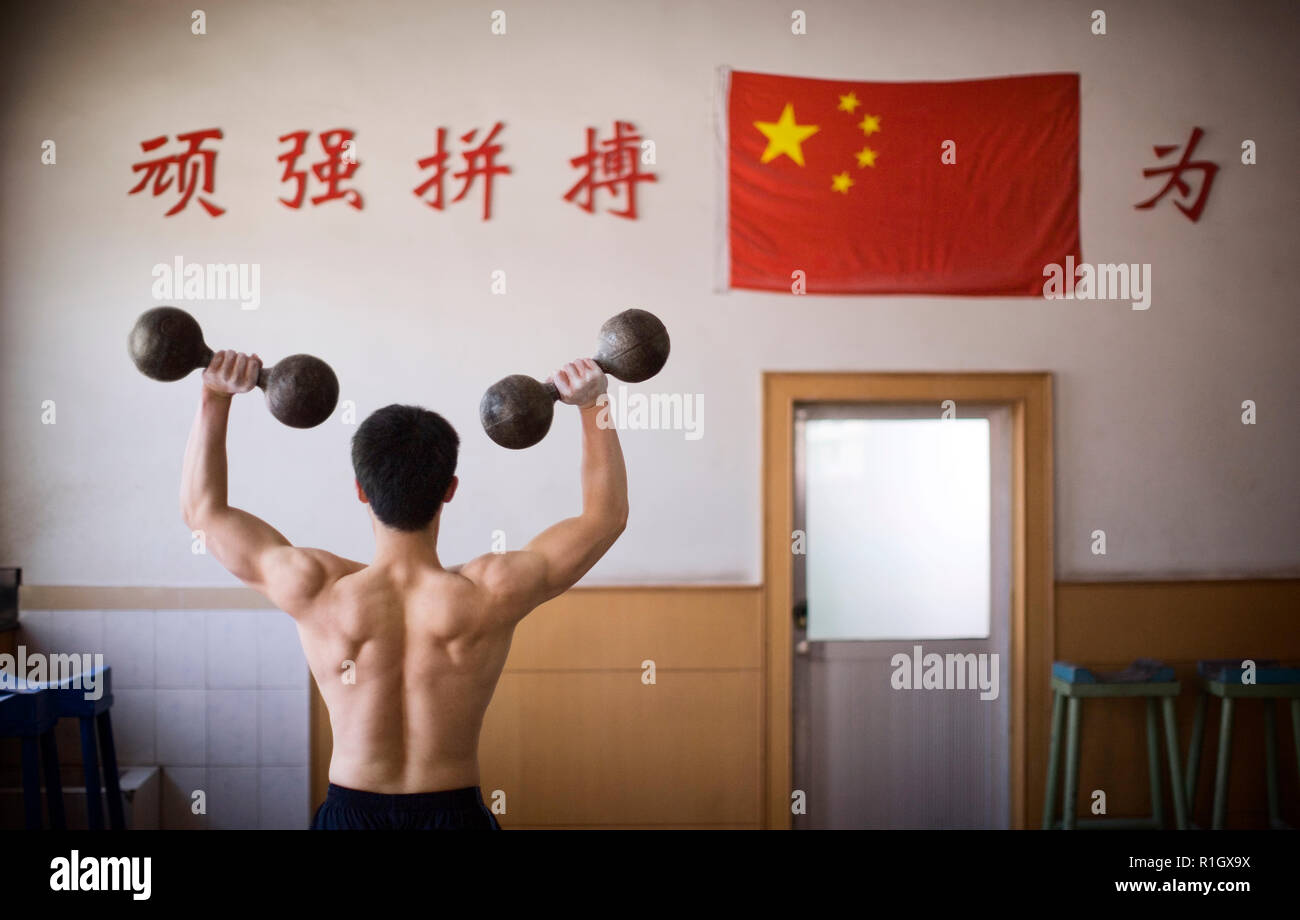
{"x": 67, "y": 701}
{"x": 70, "y": 703}
{"x": 1071, "y": 685}
{"x": 1224, "y": 678}
{"x": 31, "y": 717}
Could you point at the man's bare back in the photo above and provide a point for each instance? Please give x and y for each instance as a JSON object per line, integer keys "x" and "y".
{"x": 431, "y": 645}
{"x": 406, "y": 652}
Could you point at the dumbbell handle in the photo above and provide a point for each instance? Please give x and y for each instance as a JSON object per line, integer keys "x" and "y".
{"x": 554, "y": 391}
{"x": 262, "y": 375}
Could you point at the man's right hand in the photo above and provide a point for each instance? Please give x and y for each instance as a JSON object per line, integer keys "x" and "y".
{"x": 580, "y": 382}
{"x": 231, "y": 372}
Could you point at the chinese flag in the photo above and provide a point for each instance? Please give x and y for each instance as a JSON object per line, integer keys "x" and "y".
{"x": 847, "y": 182}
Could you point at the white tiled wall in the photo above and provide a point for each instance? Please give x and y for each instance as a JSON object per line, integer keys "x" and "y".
{"x": 217, "y": 698}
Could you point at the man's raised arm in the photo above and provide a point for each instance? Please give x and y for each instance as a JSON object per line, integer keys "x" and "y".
{"x": 560, "y": 555}
{"x": 253, "y": 550}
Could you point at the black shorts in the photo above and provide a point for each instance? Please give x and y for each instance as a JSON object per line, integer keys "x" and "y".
{"x": 451, "y": 810}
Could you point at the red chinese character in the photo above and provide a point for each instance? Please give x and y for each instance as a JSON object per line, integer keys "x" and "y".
{"x": 479, "y": 161}
{"x": 288, "y": 159}
{"x": 439, "y": 162}
{"x": 337, "y": 166}
{"x": 187, "y": 173}
{"x": 618, "y": 165}
{"x": 1175, "y": 179}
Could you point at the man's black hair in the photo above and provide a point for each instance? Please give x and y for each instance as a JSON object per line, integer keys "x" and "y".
{"x": 404, "y": 458}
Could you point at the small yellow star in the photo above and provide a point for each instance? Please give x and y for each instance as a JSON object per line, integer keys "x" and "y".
{"x": 784, "y": 136}
{"x": 849, "y": 103}
{"x": 841, "y": 183}
{"x": 870, "y": 124}
{"x": 866, "y": 157}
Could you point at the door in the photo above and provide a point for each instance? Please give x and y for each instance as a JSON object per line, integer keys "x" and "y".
{"x": 902, "y": 617}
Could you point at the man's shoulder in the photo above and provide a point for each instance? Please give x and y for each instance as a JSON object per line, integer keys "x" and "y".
{"x": 332, "y": 562}
{"x": 509, "y": 578}
{"x": 308, "y": 575}
{"x": 495, "y": 568}
{"x": 322, "y": 569}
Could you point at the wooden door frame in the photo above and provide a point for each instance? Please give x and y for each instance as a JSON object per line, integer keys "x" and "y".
{"x": 1029, "y": 395}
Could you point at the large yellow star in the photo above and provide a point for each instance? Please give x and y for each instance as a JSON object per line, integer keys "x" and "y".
{"x": 866, "y": 157}
{"x": 849, "y": 103}
{"x": 870, "y": 124}
{"x": 784, "y": 136}
{"x": 841, "y": 183}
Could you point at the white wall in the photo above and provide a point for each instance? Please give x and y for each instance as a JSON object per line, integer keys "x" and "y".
{"x": 1148, "y": 439}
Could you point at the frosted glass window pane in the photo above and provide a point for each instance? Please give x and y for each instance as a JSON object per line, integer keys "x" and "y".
{"x": 897, "y": 517}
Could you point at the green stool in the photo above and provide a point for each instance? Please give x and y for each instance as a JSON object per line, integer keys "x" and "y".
{"x": 1071, "y": 685}
{"x": 1223, "y": 678}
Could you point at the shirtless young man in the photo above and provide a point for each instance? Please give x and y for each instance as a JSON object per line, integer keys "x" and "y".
{"x": 428, "y": 642}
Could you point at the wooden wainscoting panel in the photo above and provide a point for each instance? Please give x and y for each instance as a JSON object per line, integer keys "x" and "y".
{"x": 677, "y": 627}
{"x": 602, "y": 748}
{"x": 321, "y": 745}
{"x": 1179, "y": 620}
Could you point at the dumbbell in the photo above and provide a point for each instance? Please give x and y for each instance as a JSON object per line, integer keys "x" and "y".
{"x": 166, "y": 343}
{"x": 516, "y": 411}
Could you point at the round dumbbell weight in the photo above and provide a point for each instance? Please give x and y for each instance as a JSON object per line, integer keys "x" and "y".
{"x": 516, "y": 411}
{"x": 166, "y": 343}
